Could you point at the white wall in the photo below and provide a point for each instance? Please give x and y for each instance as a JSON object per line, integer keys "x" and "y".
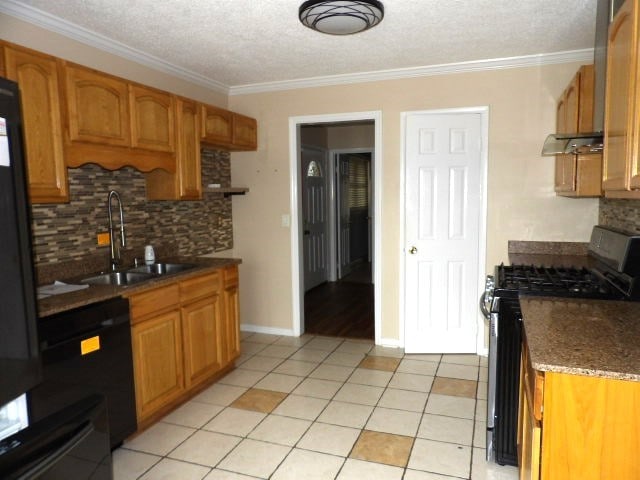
{"x": 522, "y": 204}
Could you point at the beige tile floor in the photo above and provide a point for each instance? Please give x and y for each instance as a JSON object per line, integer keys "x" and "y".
{"x": 324, "y": 408}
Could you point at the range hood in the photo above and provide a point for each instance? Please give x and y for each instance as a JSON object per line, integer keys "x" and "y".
{"x": 592, "y": 142}
{"x": 575, "y": 143}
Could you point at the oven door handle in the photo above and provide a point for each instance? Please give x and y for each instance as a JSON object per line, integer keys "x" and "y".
{"x": 483, "y": 306}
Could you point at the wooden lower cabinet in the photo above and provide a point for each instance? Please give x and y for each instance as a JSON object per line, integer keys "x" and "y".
{"x": 232, "y": 314}
{"x": 529, "y": 428}
{"x": 184, "y": 336}
{"x": 589, "y": 428}
{"x": 201, "y": 322}
{"x": 157, "y": 362}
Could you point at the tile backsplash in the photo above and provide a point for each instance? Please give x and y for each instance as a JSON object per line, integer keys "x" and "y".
{"x": 620, "y": 213}
{"x": 68, "y": 231}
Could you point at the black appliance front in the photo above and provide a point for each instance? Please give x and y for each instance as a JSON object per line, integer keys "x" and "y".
{"x": 19, "y": 361}
{"x": 72, "y": 443}
{"x": 88, "y": 350}
{"x": 505, "y": 429}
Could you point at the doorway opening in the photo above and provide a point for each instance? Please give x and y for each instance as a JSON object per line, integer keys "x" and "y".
{"x": 335, "y": 235}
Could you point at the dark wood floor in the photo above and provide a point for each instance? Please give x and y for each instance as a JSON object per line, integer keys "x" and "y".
{"x": 343, "y": 308}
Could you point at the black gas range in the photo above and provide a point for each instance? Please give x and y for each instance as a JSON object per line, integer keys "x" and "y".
{"x": 612, "y": 273}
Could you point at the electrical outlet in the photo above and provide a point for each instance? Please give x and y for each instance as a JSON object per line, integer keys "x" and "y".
{"x": 103, "y": 239}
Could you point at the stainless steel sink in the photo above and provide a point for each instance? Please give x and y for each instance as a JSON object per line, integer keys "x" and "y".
{"x": 163, "y": 268}
{"x": 117, "y": 278}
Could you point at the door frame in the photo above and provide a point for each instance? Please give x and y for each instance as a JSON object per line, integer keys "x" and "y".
{"x": 483, "y": 111}
{"x": 333, "y": 205}
{"x": 297, "y": 286}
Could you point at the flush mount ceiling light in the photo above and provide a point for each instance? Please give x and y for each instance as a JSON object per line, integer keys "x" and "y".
{"x": 341, "y": 17}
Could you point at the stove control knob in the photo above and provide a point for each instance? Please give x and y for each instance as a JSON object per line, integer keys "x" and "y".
{"x": 489, "y": 283}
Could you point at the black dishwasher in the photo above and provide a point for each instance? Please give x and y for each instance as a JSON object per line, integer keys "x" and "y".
{"x": 84, "y": 351}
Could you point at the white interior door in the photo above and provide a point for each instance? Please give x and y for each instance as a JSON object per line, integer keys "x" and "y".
{"x": 314, "y": 208}
{"x": 443, "y": 205}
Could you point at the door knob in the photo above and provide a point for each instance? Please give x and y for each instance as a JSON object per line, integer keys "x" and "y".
{"x": 413, "y": 250}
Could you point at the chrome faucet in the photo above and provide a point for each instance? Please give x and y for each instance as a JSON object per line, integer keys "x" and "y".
{"x": 115, "y": 250}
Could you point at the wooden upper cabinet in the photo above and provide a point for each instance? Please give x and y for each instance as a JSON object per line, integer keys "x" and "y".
{"x": 621, "y": 110}
{"x": 189, "y": 168}
{"x": 229, "y": 130}
{"x": 37, "y": 77}
{"x": 115, "y": 124}
{"x": 186, "y": 182}
{"x": 3, "y": 67}
{"x": 217, "y": 125}
{"x": 578, "y": 175}
{"x": 245, "y": 133}
{"x": 152, "y": 119}
{"x": 97, "y": 107}
{"x": 565, "y": 165}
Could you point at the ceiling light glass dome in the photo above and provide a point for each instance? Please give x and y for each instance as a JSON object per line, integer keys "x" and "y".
{"x": 341, "y": 17}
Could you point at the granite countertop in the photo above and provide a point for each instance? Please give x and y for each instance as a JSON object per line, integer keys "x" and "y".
{"x": 96, "y": 293}
{"x": 597, "y": 338}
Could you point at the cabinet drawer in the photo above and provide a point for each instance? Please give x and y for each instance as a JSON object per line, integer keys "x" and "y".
{"x": 533, "y": 384}
{"x": 154, "y": 300}
{"x": 200, "y": 287}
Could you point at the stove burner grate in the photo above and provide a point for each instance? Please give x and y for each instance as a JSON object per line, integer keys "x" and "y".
{"x": 551, "y": 280}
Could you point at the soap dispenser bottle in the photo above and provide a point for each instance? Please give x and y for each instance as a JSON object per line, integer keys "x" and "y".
{"x": 149, "y": 255}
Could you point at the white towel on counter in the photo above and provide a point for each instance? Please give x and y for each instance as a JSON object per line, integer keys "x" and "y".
{"x": 57, "y": 288}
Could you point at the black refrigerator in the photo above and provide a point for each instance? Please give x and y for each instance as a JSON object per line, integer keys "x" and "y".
{"x": 72, "y": 443}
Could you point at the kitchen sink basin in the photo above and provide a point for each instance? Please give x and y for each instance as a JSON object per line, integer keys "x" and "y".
{"x": 162, "y": 268}
{"x": 117, "y": 278}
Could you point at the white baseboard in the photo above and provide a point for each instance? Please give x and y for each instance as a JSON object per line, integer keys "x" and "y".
{"x": 390, "y": 342}
{"x": 245, "y": 327}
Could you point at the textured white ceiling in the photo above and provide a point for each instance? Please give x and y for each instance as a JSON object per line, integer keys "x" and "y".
{"x": 244, "y": 42}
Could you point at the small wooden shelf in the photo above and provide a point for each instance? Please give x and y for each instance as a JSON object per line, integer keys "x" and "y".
{"x": 226, "y": 191}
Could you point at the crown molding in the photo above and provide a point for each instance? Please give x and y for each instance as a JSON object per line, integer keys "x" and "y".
{"x": 585, "y": 55}
{"x": 71, "y": 30}
{"x": 55, "y": 24}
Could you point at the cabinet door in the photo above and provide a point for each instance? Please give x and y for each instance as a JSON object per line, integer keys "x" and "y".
{"x": 530, "y": 444}
{"x": 245, "y": 133}
{"x": 37, "y": 76}
{"x": 620, "y": 102}
{"x": 565, "y": 164}
{"x": 590, "y": 428}
{"x": 202, "y": 349}
{"x": 529, "y": 428}
{"x": 186, "y": 182}
{"x": 157, "y": 362}
{"x": 98, "y": 107}
{"x": 217, "y": 125}
{"x": 189, "y": 167}
{"x": 152, "y": 119}
{"x": 231, "y": 314}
